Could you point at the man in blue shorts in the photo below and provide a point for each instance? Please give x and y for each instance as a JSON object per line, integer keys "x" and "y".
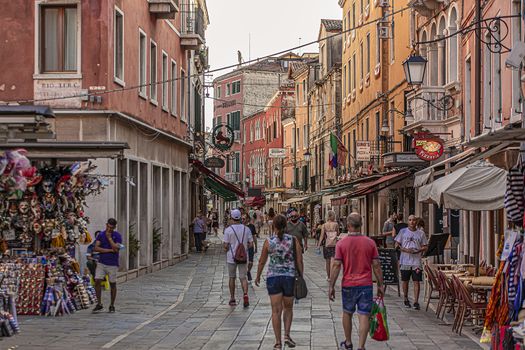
{"x": 358, "y": 255}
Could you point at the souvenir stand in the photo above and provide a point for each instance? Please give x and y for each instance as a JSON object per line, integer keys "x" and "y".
{"x": 504, "y": 323}
{"x": 42, "y": 222}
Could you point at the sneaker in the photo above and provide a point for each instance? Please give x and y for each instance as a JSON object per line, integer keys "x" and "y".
{"x": 407, "y": 304}
{"x": 345, "y": 346}
{"x": 246, "y": 301}
{"x": 111, "y": 309}
{"x": 249, "y": 274}
{"x": 416, "y": 306}
{"x": 98, "y": 308}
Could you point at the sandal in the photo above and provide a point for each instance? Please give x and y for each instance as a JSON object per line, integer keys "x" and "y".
{"x": 233, "y": 302}
{"x": 277, "y": 346}
{"x": 289, "y": 342}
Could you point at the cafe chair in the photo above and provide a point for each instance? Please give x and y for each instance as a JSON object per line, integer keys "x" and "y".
{"x": 432, "y": 284}
{"x": 474, "y": 310}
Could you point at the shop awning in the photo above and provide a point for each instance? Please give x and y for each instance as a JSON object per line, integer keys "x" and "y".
{"x": 217, "y": 184}
{"x": 480, "y": 186}
{"x": 511, "y": 133}
{"x": 75, "y": 150}
{"x": 379, "y": 184}
{"x": 422, "y": 177}
{"x": 295, "y": 200}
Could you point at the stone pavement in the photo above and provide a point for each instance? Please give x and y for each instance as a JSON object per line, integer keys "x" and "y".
{"x": 186, "y": 307}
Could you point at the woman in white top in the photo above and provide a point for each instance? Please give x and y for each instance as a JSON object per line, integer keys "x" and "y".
{"x": 328, "y": 239}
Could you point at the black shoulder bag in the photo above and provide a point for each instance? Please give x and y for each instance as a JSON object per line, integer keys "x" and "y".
{"x": 300, "y": 290}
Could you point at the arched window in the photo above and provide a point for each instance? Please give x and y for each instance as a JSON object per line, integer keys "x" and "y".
{"x": 433, "y": 57}
{"x": 424, "y": 53}
{"x": 442, "y": 52}
{"x": 453, "y": 46}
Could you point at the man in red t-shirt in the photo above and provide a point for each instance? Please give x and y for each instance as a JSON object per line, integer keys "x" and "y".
{"x": 358, "y": 255}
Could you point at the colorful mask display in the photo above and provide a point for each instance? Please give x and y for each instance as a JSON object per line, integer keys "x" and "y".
{"x": 47, "y": 203}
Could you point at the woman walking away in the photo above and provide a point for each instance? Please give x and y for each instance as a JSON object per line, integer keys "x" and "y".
{"x": 328, "y": 240}
{"x": 281, "y": 248}
{"x": 271, "y": 216}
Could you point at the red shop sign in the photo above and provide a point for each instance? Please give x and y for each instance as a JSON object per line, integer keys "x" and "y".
{"x": 428, "y": 147}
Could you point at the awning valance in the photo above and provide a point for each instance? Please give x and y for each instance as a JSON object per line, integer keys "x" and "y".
{"x": 338, "y": 201}
{"x": 74, "y": 150}
{"x": 480, "y": 186}
{"x": 295, "y": 200}
{"x": 379, "y": 184}
{"x": 217, "y": 184}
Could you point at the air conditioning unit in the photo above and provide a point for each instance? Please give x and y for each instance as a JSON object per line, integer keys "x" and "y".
{"x": 237, "y": 135}
{"x": 384, "y": 32}
{"x": 384, "y": 3}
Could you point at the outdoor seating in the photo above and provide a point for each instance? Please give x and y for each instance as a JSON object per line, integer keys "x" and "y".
{"x": 432, "y": 283}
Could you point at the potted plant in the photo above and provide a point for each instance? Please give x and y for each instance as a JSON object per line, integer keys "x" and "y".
{"x": 133, "y": 246}
{"x": 157, "y": 240}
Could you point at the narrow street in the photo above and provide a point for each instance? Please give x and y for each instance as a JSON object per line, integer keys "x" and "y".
{"x": 186, "y": 307}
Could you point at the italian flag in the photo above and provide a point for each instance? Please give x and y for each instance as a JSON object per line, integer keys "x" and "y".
{"x": 338, "y": 152}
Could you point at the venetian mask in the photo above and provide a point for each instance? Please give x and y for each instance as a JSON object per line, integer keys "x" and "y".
{"x": 13, "y": 209}
{"x": 60, "y": 187}
{"x": 47, "y": 186}
{"x": 23, "y": 207}
{"x": 37, "y": 227}
{"x": 37, "y": 212}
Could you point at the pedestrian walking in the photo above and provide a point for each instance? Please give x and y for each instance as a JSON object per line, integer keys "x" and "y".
{"x": 237, "y": 240}
{"x": 280, "y": 277}
{"x": 108, "y": 244}
{"x": 271, "y": 216}
{"x": 259, "y": 220}
{"x": 359, "y": 256}
{"x": 215, "y": 223}
{"x": 329, "y": 235}
{"x": 400, "y": 224}
{"x": 318, "y": 229}
{"x": 297, "y": 229}
{"x": 413, "y": 243}
{"x": 199, "y": 230}
{"x": 388, "y": 229}
{"x": 92, "y": 257}
{"x": 253, "y": 249}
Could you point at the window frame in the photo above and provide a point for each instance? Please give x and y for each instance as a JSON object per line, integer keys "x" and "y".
{"x": 174, "y": 91}
{"x": 39, "y": 65}
{"x": 143, "y": 88}
{"x": 153, "y": 68}
{"x": 165, "y": 77}
{"x": 117, "y": 79}
{"x": 182, "y": 93}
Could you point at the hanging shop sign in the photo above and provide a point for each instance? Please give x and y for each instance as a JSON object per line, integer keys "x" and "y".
{"x": 363, "y": 153}
{"x": 222, "y": 137}
{"x": 277, "y": 153}
{"x": 214, "y": 162}
{"x": 428, "y": 146}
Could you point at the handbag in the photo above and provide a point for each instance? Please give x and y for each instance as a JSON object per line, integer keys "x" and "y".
{"x": 300, "y": 290}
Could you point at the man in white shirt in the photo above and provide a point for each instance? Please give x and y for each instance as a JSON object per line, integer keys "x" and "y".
{"x": 234, "y": 235}
{"x": 412, "y": 243}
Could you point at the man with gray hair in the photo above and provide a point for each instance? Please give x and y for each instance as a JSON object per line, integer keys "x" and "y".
{"x": 359, "y": 256}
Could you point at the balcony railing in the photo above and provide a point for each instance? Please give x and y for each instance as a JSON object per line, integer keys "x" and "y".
{"x": 193, "y": 23}
{"x": 428, "y": 104}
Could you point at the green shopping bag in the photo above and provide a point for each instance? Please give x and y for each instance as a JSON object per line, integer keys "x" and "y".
{"x": 378, "y": 321}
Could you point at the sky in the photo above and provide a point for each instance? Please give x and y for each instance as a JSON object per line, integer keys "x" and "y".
{"x": 270, "y": 25}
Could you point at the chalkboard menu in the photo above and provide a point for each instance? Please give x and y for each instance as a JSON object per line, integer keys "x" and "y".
{"x": 389, "y": 266}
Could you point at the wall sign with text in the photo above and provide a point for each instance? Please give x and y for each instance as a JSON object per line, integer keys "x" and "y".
{"x": 428, "y": 146}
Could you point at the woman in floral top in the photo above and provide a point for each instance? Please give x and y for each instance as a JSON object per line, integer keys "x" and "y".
{"x": 280, "y": 277}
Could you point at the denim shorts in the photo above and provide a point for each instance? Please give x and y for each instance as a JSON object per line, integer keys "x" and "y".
{"x": 280, "y": 285}
{"x": 361, "y": 297}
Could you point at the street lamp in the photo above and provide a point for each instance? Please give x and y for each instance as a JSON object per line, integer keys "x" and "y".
{"x": 307, "y": 155}
{"x": 415, "y": 67}
{"x": 384, "y": 127}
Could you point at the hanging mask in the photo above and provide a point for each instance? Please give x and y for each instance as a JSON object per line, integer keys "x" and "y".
{"x": 48, "y": 186}
{"x": 23, "y": 207}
